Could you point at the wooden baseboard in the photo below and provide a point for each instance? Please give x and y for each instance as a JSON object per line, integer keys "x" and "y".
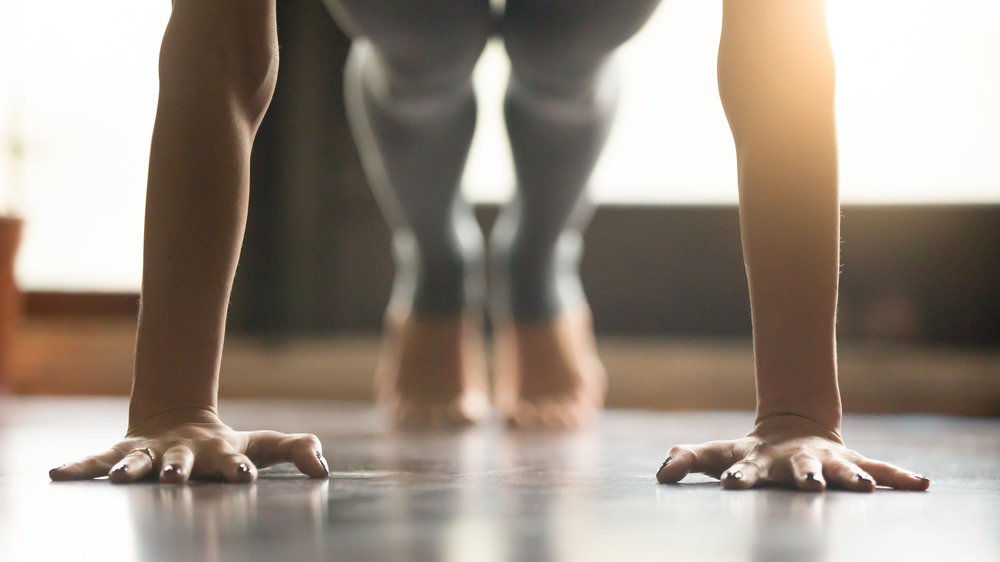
{"x": 55, "y": 304}
{"x": 94, "y": 357}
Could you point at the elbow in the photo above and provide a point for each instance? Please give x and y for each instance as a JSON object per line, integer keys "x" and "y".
{"x": 777, "y": 79}
{"x": 781, "y": 108}
{"x": 221, "y": 52}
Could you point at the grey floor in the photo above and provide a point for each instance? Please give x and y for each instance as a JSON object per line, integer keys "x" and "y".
{"x": 486, "y": 494}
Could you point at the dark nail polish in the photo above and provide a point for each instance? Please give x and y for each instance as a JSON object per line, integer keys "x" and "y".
{"x": 811, "y": 477}
{"x": 243, "y": 469}
{"x": 322, "y": 461}
{"x": 58, "y": 468}
{"x": 734, "y": 475}
{"x": 665, "y": 463}
{"x": 865, "y": 478}
{"x": 121, "y": 468}
{"x": 171, "y": 469}
{"x": 921, "y": 478}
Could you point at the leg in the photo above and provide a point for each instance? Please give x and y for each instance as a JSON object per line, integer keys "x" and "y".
{"x": 559, "y": 106}
{"x": 412, "y": 112}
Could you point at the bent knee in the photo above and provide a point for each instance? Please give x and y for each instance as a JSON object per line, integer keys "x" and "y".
{"x": 563, "y": 54}
{"x": 431, "y": 64}
{"x": 230, "y": 45}
{"x": 421, "y": 47}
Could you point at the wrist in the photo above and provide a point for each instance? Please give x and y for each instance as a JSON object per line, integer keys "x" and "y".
{"x": 781, "y": 421}
{"x": 141, "y": 420}
{"x": 175, "y": 369}
{"x": 797, "y": 375}
{"x": 827, "y": 416}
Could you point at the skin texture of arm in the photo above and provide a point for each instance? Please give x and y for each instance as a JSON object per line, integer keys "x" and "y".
{"x": 218, "y": 66}
{"x": 776, "y": 81}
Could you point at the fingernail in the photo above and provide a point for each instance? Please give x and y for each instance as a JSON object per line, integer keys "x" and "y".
{"x": 811, "y": 477}
{"x": 120, "y": 468}
{"x": 172, "y": 469}
{"x": 322, "y": 461}
{"x": 862, "y": 477}
{"x": 58, "y": 468}
{"x": 243, "y": 468}
{"x": 921, "y": 478}
{"x": 665, "y": 463}
{"x": 734, "y": 475}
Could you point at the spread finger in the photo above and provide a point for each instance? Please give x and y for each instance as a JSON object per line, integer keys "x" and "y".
{"x": 136, "y": 464}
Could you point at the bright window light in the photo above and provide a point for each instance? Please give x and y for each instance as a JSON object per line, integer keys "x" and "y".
{"x": 79, "y": 95}
{"x": 918, "y": 119}
{"x": 918, "y": 108}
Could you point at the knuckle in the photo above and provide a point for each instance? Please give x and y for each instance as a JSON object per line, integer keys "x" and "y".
{"x": 730, "y": 457}
{"x": 307, "y": 440}
{"x": 233, "y": 458}
{"x": 761, "y": 449}
{"x": 121, "y": 449}
{"x": 179, "y": 453}
{"x": 180, "y": 444}
{"x": 212, "y": 447}
{"x": 801, "y": 456}
{"x": 845, "y": 470}
{"x": 681, "y": 450}
{"x": 857, "y": 458}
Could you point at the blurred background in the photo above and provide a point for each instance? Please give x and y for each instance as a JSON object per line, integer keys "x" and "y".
{"x": 919, "y": 127}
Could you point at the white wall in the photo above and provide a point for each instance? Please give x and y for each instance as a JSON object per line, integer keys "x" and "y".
{"x": 918, "y": 108}
{"x": 918, "y": 112}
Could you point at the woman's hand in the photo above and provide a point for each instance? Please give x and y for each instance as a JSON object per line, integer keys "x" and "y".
{"x": 789, "y": 451}
{"x": 193, "y": 444}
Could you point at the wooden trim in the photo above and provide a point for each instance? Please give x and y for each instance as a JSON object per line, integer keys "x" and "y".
{"x": 912, "y": 274}
{"x": 94, "y": 357}
{"x": 50, "y": 304}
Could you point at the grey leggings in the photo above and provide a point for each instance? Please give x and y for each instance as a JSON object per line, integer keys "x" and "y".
{"x": 413, "y": 113}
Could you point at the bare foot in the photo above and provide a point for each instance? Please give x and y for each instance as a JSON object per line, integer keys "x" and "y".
{"x": 432, "y": 371}
{"x": 548, "y": 374}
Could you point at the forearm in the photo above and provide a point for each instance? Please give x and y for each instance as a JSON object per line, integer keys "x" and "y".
{"x": 195, "y": 214}
{"x": 776, "y": 79}
{"x": 790, "y": 228}
{"x": 196, "y": 206}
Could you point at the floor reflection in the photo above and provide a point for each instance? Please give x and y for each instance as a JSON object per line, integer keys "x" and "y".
{"x": 214, "y": 522}
{"x": 548, "y": 480}
{"x": 441, "y": 495}
{"x": 788, "y": 526}
{"x": 491, "y": 495}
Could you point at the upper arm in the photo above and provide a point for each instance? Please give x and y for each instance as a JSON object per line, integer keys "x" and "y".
{"x": 775, "y": 68}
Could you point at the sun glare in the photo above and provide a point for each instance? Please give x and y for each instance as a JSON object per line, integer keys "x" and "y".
{"x": 918, "y": 100}
{"x": 918, "y": 119}
{"x": 918, "y": 108}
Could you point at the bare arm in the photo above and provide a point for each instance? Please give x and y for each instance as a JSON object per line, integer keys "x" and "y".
{"x": 218, "y": 66}
{"x": 776, "y": 81}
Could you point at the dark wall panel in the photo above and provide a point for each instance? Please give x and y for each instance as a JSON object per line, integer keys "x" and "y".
{"x": 316, "y": 257}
